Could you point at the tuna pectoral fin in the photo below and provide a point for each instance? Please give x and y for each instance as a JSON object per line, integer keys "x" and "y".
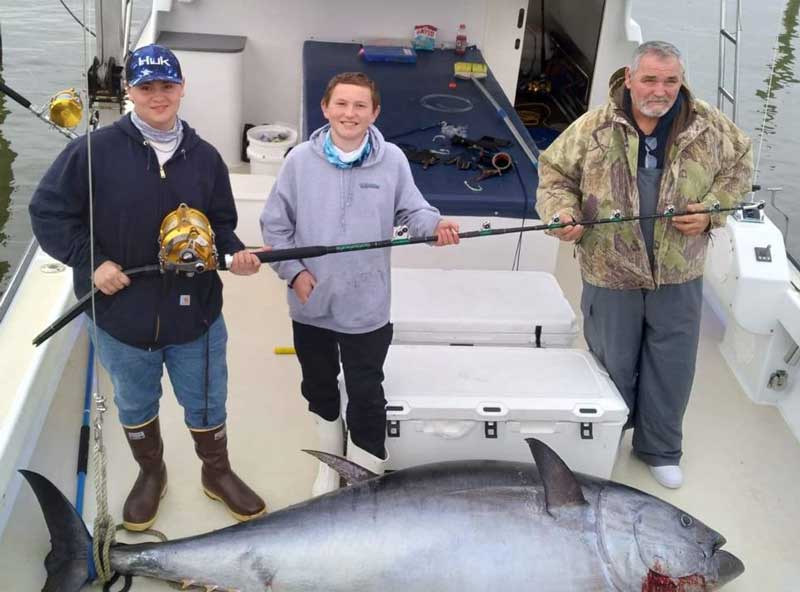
{"x": 349, "y": 471}
{"x": 67, "y": 564}
{"x": 560, "y": 486}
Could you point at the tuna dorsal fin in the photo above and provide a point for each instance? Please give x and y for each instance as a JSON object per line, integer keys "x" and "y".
{"x": 560, "y": 486}
{"x": 348, "y": 470}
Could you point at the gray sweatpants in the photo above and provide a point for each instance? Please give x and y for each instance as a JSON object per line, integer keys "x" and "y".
{"x": 647, "y": 340}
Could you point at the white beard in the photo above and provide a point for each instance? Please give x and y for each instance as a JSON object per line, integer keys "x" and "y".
{"x": 654, "y": 109}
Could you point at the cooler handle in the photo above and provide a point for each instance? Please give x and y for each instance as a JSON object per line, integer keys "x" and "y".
{"x": 491, "y": 409}
{"x": 588, "y": 411}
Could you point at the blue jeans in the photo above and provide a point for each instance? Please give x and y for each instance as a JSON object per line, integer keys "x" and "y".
{"x": 136, "y": 376}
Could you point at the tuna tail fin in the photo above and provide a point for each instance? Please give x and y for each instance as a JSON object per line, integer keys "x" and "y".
{"x": 68, "y": 563}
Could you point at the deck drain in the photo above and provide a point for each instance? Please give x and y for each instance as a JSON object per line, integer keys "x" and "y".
{"x": 52, "y": 268}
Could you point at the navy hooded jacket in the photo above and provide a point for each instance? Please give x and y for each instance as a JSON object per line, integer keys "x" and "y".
{"x": 131, "y": 198}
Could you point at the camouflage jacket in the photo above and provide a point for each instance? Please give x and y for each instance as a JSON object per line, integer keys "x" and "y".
{"x": 589, "y": 172}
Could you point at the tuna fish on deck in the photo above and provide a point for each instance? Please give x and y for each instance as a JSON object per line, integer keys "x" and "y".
{"x": 451, "y": 527}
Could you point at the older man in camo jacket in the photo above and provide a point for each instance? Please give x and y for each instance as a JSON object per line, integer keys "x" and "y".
{"x": 651, "y": 147}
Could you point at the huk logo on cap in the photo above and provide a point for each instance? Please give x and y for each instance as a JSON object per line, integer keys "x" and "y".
{"x": 147, "y": 60}
{"x": 153, "y": 62}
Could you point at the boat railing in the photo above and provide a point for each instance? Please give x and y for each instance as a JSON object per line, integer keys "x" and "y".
{"x": 16, "y": 279}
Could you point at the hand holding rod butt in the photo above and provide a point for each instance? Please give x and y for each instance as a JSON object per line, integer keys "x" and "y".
{"x": 280, "y": 255}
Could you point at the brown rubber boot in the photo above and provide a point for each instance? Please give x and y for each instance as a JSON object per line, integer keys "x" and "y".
{"x": 141, "y": 505}
{"x": 219, "y": 481}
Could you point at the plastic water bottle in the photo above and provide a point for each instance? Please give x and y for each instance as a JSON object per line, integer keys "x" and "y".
{"x": 461, "y": 40}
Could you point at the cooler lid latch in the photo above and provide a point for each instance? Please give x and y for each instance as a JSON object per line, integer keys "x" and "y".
{"x": 393, "y": 428}
{"x": 587, "y": 431}
{"x": 490, "y": 429}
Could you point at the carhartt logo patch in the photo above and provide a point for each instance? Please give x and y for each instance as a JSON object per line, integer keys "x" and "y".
{"x": 369, "y": 186}
{"x": 136, "y": 436}
{"x": 185, "y": 300}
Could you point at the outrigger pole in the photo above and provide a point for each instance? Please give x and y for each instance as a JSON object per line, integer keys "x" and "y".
{"x": 319, "y": 251}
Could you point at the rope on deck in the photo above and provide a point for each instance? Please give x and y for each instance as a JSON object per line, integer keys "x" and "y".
{"x": 104, "y": 527}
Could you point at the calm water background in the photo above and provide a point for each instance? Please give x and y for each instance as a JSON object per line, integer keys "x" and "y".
{"x": 43, "y": 53}
{"x": 769, "y": 34}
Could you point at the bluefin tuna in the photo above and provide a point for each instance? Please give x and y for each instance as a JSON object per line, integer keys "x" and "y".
{"x": 463, "y": 526}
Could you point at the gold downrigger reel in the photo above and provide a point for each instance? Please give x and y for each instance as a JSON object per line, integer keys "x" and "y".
{"x": 66, "y": 108}
{"x": 187, "y": 242}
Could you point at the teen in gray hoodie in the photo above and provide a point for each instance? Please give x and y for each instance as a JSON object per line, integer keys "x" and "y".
{"x": 346, "y": 184}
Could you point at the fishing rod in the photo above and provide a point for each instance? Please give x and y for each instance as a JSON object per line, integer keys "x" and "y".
{"x": 61, "y": 102}
{"x": 321, "y": 250}
{"x": 83, "y": 304}
{"x": 83, "y": 441}
{"x": 486, "y": 230}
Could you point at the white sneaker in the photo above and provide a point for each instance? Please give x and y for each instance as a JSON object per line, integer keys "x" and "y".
{"x": 669, "y": 476}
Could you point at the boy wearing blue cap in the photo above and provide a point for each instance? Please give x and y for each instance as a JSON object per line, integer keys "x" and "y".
{"x": 143, "y": 167}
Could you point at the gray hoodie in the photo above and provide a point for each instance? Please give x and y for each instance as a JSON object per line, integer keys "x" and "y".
{"x": 315, "y": 203}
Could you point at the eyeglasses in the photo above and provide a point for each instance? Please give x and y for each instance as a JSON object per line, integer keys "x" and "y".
{"x": 650, "y": 160}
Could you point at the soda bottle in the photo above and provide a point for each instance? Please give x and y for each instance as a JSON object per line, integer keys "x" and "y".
{"x": 461, "y": 40}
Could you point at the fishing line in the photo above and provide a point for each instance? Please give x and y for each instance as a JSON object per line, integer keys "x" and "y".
{"x": 459, "y": 104}
{"x": 97, "y": 395}
{"x": 103, "y": 528}
{"x": 766, "y": 111}
{"x": 763, "y": 133}
{"x": 518, "y": 251}
{"x": 77, "y": 20}
{"x": 415, "y": 130}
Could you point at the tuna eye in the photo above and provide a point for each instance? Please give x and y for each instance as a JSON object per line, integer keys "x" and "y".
{"x": 686, "y": 521}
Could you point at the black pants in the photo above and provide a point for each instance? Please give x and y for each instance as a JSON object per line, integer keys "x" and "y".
{"x": 362, "y": 355}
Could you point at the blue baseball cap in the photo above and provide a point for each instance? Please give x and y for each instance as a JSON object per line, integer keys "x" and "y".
{"x": 152, "y": 62}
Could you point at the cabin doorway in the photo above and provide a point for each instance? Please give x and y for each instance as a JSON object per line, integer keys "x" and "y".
{"x": 559, "y": 54}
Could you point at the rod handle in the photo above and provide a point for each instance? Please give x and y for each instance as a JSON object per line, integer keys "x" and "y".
{"x": 15, "y": 95}
{"x": 283, "y": 255}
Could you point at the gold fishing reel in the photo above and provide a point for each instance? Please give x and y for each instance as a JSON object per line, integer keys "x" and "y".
{"x": 187, "y": 242}
{"x": 66, "y": 108}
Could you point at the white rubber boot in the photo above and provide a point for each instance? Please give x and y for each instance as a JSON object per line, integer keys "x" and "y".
{"x": 364, "y": 459}
{"x": 331, "y": 440}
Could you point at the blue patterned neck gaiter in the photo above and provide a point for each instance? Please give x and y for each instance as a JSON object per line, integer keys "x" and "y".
{"x": 156, "y": 135}
{"x": 353, "y": 159}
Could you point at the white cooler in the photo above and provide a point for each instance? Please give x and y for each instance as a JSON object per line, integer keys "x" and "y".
{"x": 480, "y": 307}
{"x": 460, "y": 403}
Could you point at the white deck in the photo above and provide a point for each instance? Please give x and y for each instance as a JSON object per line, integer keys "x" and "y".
{"x": 742, "y": 464}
